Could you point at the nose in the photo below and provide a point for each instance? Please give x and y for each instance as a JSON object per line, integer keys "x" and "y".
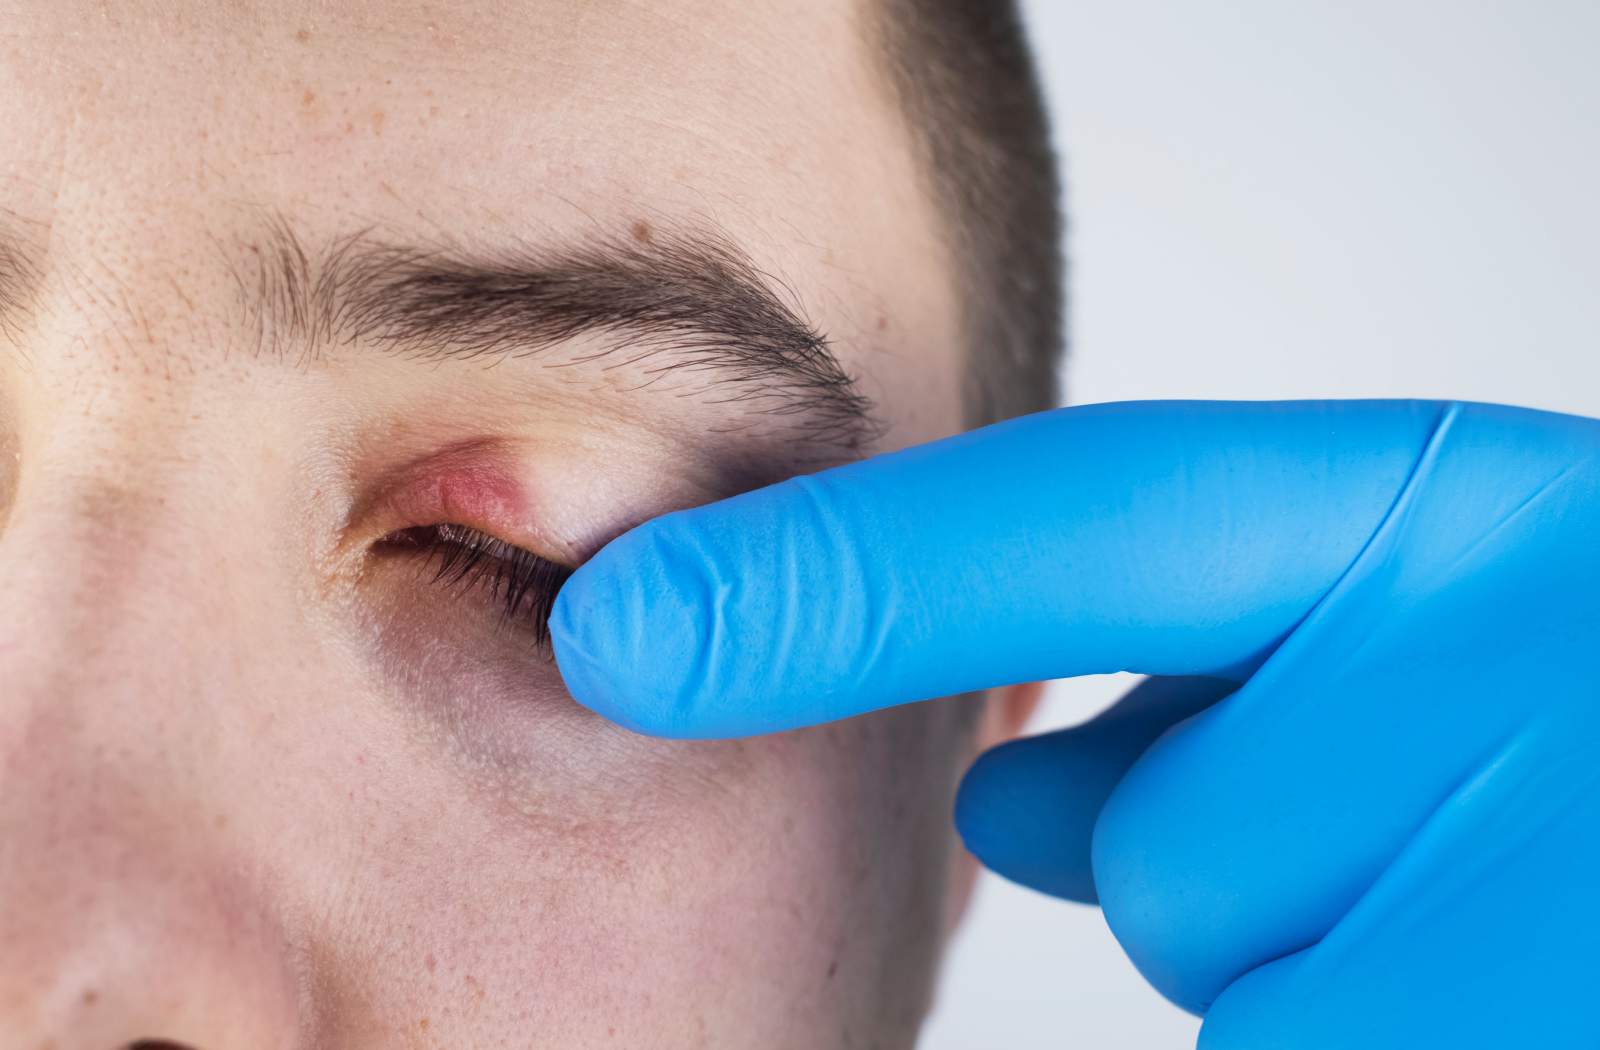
{"x": 132, "y": 910}
{"x": 115, "y": 933}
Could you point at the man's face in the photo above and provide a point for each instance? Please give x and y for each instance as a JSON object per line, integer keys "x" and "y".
{"x": 286, "y": 289}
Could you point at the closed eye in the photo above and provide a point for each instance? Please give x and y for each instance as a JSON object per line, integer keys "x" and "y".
{"x": 468, "y": 560}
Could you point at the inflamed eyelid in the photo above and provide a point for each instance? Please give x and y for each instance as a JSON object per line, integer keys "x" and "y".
{"x": 484, "y": 485}
{"x": 467, "y": 487}
{"x": 468, "y": 513}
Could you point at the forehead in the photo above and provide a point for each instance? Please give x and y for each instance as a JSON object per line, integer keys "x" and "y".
{"x": 541, "y": 88}
{"x": 146, "y": 143}
{"x": 530, "y": 119}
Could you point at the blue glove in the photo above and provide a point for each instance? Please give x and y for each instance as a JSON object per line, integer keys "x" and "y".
{"x": 1386, "y": 835}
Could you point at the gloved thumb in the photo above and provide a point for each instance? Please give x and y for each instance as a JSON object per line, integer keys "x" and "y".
{"x": 1027, "y": 809}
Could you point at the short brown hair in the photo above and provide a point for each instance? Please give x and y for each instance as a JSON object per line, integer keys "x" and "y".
{"x": 965, "y": 80}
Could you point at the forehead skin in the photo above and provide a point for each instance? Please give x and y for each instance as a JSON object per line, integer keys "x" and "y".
{"x": 146, "y": 138}
{"x": 257, "y": 790}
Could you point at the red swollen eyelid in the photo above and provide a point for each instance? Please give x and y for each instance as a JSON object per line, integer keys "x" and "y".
{"x": 449, "y": 490}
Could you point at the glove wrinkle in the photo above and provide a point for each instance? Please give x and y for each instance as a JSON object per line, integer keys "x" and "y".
{"x": 1332, "y": 856}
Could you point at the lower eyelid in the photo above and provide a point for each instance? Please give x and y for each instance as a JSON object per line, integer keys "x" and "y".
{"x": 524, "y": 583}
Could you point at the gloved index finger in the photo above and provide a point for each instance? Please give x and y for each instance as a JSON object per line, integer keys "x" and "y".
{"x": 1173, "y": 538}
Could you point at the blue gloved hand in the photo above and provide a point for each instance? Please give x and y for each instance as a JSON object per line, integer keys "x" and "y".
{"x": 1388, "y": 836}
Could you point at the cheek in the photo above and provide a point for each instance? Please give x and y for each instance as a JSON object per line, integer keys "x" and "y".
{"x": 684, "y": 895}
{"x": 719, "y": 893}
{"x": 611, "y": 888}
{"x": 801, "y": 876}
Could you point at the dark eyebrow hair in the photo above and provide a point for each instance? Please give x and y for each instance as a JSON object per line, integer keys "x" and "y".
{"x": 18, "y": 275}
{"x": 686, "y": 301}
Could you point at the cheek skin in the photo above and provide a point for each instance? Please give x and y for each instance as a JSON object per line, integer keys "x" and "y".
{"x": 609, "y": 889}
{"x": 756, "y": 893}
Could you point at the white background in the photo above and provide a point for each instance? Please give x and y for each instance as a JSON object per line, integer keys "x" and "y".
{"x": 1271, "y": 199}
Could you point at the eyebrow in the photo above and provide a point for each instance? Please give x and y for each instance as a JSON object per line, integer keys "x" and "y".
{"x": 681, "y": 302}
{"x": 17, "y": 275}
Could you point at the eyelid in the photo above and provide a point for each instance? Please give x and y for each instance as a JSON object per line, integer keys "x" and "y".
{"x": 475, "y": 488}
{"x": 524, "y": 583}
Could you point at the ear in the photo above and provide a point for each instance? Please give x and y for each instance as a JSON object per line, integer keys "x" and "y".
{"x": 1005, "y": 714}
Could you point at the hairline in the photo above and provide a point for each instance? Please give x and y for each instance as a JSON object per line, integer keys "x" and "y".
{"x": 963, "y": 79}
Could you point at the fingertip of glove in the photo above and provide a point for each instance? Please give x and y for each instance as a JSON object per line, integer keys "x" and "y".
{"x": 596, "y": 637}
{"x": 1003, "y": 820}
{"x": 574, "y": 648}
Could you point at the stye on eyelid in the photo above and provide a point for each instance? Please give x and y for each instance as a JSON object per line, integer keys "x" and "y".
{"x": 464, "y": 489}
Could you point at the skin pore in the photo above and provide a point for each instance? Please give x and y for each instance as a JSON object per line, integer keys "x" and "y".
{"x": 266, "y": 780}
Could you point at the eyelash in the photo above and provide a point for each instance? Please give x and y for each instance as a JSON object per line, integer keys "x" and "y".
{"x": 525, "y": 584}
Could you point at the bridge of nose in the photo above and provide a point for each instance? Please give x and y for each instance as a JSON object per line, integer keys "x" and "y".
{"x": 134, "y": 719}
{"x": 122, "y": 917}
